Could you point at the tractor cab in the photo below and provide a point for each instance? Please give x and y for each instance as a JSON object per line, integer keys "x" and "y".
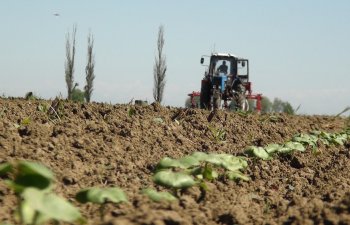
{"x": 226, "y": 79}
{"x": 236, "y": 67}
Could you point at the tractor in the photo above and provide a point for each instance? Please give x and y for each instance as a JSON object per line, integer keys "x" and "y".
{"x": 226, "y": 84}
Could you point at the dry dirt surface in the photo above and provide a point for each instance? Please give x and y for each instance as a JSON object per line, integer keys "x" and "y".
{"x": 119, "y": 145}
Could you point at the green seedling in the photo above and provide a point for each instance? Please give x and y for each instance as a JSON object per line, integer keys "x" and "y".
{"x": 298, "y": 143}
{"x": 206, "y": 172}
{"x": 197, "y": 168}
{"x": 294, "y": 146}
{"x": 271, "y": 149}
{"x": 226, "y": 161}
{"x": 219, "y": 135}
{"x": 266, "y": 153}
{"x": 200, "y": 159}
{"x": 308, "y": 140}
{"x": 158, "y": 196}
{"x": 39, "y": 207}
{"x": 183, "y": 163}
{"x": 26, "y": 121}
{"x": 43, "y": 108}
{"x": 258, "y": 152}
{"x": 28, "y": 174}
{"x": 328, "y": 138}
{"x": 32, "y": 184}
{"x": 101, "y": 196}
{"x": 174, "y": 180}
{"x": 131, "y": 111}
{"x": 5, "y": 168}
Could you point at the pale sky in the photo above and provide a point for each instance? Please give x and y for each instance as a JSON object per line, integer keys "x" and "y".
{"x": 299, "y": 50}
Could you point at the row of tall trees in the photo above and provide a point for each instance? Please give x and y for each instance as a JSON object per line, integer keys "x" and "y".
{"x": 74, "y": 93}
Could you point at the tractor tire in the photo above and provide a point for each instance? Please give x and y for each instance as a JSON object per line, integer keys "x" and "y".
{"x": 204, "y": 98}
{"x": 216, "y": 99}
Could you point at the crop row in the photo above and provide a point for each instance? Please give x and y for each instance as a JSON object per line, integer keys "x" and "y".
{"x": 37, "y": 203}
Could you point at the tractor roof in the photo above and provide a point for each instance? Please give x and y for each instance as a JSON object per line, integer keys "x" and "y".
{"x": 226, "y": 55}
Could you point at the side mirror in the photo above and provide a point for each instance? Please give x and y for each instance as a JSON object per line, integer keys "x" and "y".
{"x": 243, "y": 63}
{"x": 202, "y": 60}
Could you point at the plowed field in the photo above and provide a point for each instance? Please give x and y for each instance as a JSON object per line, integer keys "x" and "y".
{"x": 120, "y": 145}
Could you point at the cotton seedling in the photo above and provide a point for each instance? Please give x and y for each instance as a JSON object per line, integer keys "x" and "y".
{"x": 219, "y": 135}
{"x": 131, "y": 111}
{"x": 33, "y": 184}
{"x": 43, "y": 108}
{"x": 197, "y": 168}
{"x": 298, "y": 143}
{"x": 101, "y": 196}
{"x": 158, "y": 196}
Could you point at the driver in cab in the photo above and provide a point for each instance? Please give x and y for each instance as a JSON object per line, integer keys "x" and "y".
{"x": 223, "y": 67}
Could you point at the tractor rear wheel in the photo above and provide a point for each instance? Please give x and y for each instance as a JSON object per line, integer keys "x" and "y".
{"x": 205, "y": 95}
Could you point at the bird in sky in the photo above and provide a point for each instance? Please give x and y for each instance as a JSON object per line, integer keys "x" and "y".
{"x": 56, "y": 14}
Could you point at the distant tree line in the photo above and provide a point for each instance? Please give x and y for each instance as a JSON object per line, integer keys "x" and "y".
{"x": 74, "y": 93}
{"x": 277, "y": 105}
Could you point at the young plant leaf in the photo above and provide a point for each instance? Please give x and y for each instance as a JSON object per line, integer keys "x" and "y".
{"x": 131, "y": 112}
{"x": 236, "y": 175}
{"x": 173, "y": 180}
{"x": 26, "y": 212}
{"x": 189, "y": 161}
{"x": 158, "y": 196}
{"x": 51, "y": 205}
{"x": 30, "y": 174}
{"x": 285, "y": 150}
{"x": 30, "y": 215}
{"x": 295, "y": 146}
{"x": 5, "y": 168}
{"x": 208, "y": 173}
{"x": 21, "y": 182}
{"x": 258, "y": 152}
{"x": 339, "y": 139}
{"x": 167, "y": 162}
{"x": 308, "y": 139}
{"x": 25, "y": 121}
{"x": 101, "y": 196}
{"x": 325, "y": 142}
{"x": 26, "y": 168}
{"x": 183, "y": 163}
{"x": 227, "y": 161}
{"x": 200, "y": 156}
{"x": 272, "y": 148}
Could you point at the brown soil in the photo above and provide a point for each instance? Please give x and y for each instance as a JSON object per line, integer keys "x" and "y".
{"x": 102, "y": 145}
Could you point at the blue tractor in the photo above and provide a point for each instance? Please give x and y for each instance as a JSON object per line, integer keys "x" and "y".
{"x": 225, "y": 83}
